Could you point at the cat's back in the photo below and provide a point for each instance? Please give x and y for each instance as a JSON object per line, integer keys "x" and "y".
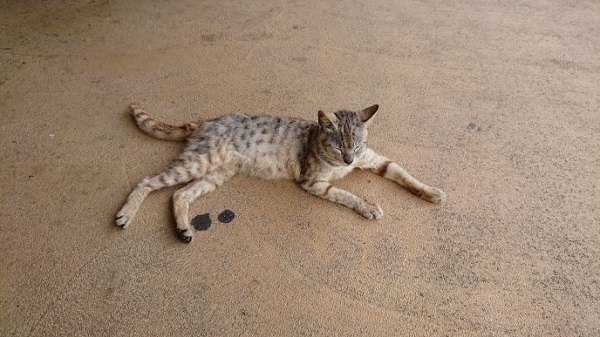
{"x": 264, "y": 146}
{"x": 247, "y": 130}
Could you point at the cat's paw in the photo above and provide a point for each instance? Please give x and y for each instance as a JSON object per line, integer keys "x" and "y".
{"x": 185, "y": 235}
{"x": 433, "y": 195}
{"x": 124, "y": 217}
{"x": 370, "y": 211}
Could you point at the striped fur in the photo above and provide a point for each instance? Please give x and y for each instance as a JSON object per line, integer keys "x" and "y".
{"x": 161, "y": 130}
{"x": 312, "y": 154}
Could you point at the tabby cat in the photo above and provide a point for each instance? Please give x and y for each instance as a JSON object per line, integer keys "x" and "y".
{"x": 268, "y": 147}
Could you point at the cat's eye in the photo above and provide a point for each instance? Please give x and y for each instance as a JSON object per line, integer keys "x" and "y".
{"x": 336, "y": 149}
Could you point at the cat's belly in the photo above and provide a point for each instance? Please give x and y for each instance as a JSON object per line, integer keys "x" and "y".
{"x": 268, "y": 167}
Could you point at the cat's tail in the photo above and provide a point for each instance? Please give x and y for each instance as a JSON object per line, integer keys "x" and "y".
{"x": 161, "y": 130}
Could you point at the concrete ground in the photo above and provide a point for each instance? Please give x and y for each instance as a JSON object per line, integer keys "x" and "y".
{"x": 497, "y": 103}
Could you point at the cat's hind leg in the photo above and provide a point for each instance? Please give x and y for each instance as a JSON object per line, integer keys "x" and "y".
{"x": 183, "y": 197}
{"x": 392, "y": 171}
{"x": 174, "y": 175}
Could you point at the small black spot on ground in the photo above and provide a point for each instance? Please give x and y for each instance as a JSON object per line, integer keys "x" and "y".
{"x": 209, "y": 37}
{"x": 202, "y": 222}
{"x": 473, "y": 126}
{"x": 226, "y": 216}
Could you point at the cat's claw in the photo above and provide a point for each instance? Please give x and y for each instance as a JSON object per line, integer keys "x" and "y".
{"x": 433, "y": 195}
{"x": 370, "y": 211}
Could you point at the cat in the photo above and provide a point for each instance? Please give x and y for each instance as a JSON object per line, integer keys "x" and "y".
{"x": 310, "y": 153}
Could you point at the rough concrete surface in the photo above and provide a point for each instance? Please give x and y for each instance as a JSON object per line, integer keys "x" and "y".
{"x": 495, "y": 102}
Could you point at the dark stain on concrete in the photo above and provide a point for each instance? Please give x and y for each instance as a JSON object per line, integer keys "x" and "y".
{"x": 202, "y": 222}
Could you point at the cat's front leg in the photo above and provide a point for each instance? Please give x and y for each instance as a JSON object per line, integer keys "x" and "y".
{"x": 392, "y": 171}
{"x": 325, "y": 190}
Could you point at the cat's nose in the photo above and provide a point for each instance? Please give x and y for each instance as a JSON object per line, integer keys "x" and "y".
{"x": 348, "y": 159}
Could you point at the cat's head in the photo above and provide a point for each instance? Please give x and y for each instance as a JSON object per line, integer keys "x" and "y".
{"x": 343, "y": 134}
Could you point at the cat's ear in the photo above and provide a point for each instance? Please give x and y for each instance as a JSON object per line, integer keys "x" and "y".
{"x": 366, "y": 114}
{"x": 326, "y": 120}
